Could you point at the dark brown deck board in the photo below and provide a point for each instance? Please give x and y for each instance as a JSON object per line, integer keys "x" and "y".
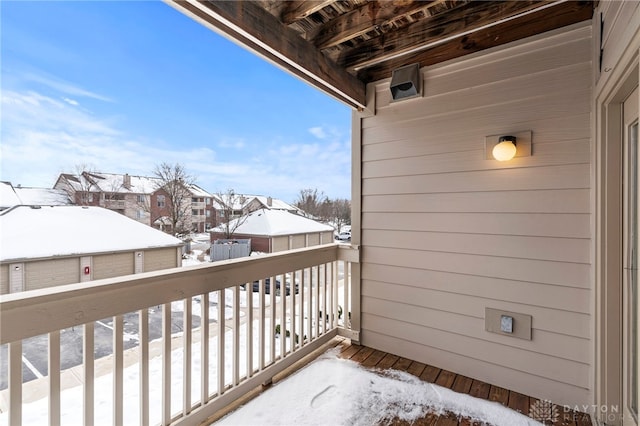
{"x": 445, "y": 379}
{"x": 362, "y": 354}
{"x": 430, "y": 374}
{"x": 519, "y": 402}
{"x": 402, "y": 364}
{"x": 387, "y": 362}
{"x": 373, "y": 359}
{"x": 416, "y": 368}
{"x": 462, "y": 384}
{"x": 480, "y": 389}
{"x": 499, "y": 394}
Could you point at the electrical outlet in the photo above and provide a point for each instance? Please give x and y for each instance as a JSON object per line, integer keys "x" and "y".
{"x": 506, "y": 324}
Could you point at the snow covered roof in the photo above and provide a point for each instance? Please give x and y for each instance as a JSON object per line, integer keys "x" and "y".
{"x": 121, "y": 183}
{"x": 31, "y": 233}
{"x": 275, "y": 222}
{"x": 275, "y": 203}
{"x": 13, "y": 196}
{"x": 8, "y": 196}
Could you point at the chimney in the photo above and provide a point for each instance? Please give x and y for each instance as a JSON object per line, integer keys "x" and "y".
{"x": 242, "y": 199}
{"x": 269, "y": 201}
{"x": 126, "y": 181}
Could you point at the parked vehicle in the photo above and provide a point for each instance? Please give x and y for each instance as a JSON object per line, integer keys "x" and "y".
{"x": 267, "y": 287}
{"x": 344, "y": 236}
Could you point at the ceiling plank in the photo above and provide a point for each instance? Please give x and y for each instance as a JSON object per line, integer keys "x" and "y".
{"x": 422, "y": 34}
{"x": 549, "y": 19}
{"x": 251, "y": 26}
{"x": 365, "y": 19}
{"x": 300, "y": 9}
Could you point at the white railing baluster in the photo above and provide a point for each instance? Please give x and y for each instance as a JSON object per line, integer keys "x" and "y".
{"x": 292, "y": 313}
{"x": 221, "y": 332}
{"x": 325, "y": 310}
{"x": 15, "y": 383}
{"x": 166, "y": 363}
{"x": 302, "y": 290}
{"x": 236, "y": 336}
{"x": 317, "y": 303}
{"x": 187, "y": 351}
{"x": 88, "y": 363}
{"x": 334, "y": 270}
{"x": 272, "y": 333}
{"x": 143, "y": 330}
{"x": 204, "y": 348}
{"x": 283, "y": 316}
{"x": 310, "y": 306}
{"x": 262, "y": 339}
{"x": 118, "y": 370}
{"x": 249, "y": 298}
{"x": 346, "y": 311}
{"x": 54, "y": 378}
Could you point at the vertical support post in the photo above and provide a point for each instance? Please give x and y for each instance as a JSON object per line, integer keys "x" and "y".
{"x": 204, "y": 349}
{"x": 54, "y": 378}
{"x": 143, "y": 328}
{"x": 249, "y": 298}
{"x": 88, "y": 363}
{"x": 166, "y": 363}
{"x": 236, "y": 336}
{"x": 118, "y": 370}
{"x": 15, "y": 383}
{"x": 221, "y": 336}
{"x": 187, "y": 358}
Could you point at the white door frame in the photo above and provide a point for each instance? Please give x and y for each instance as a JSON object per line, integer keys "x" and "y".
{"x": 608, "y": 244}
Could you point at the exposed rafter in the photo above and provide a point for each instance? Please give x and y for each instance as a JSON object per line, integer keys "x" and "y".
{"x": 561, "y": 15}
{"x": 300, "y": 9}
{"x": 364, "y": 19}
{"x": 425, "y": 33}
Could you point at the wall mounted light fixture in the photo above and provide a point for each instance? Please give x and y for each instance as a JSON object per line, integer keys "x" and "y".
{"x": 506, "y": 147}
{"x": 405, "y": 82}
{"x": 505, "y": 150}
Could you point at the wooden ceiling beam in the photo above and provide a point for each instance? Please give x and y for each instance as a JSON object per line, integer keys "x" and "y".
{"x": 251, "y": 26}
{"x": 365, "y": 19}
{"x": 424, "y": 34}
{"x": 300, "y": 9}
{"x": 542, "y": 21}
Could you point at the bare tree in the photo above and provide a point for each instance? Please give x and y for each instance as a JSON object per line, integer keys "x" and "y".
{"x": 174, "y": 184}
{"x": 231, "y": 204}
{"x": 313, "y": 202}
{"x": 340, "y": 213}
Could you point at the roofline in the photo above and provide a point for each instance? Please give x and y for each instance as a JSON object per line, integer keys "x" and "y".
{"x": 72, "y": 255}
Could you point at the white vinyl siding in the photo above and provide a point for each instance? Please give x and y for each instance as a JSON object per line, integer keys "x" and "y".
{"x": 446, "y": 233}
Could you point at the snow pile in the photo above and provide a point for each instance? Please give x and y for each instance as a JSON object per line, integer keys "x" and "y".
{"x": 333, "y": 391}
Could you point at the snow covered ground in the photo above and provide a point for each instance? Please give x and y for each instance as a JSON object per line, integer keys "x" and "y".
{"x": 334, "y": 391}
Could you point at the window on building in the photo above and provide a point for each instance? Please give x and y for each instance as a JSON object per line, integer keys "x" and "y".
{"x": 140, "y": 198}
{"x": 208, "y": 201}
{"x": 90, "y": 198}
{"x": 194, "y": 212}
{"x": 139, "y": 214}
{"x": 194, "y": 200}
{"x": 161, "y": 201}
{"x": 208, "y": 213}
{"x": 221, "y": 213}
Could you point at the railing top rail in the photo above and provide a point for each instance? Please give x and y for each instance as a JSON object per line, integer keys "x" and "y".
{"x": 31, "y": 313}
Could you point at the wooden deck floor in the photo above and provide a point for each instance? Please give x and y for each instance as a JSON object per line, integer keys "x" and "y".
{"x": 371, "y": 358}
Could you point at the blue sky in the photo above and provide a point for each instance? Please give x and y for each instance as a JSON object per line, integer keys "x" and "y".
{"x": 124, "y": 85}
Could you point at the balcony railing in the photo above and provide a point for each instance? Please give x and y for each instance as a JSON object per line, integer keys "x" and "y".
{"x": 242, "y": 340}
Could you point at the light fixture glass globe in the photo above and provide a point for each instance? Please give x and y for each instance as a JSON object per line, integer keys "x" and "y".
{"x": 504, "y": 151}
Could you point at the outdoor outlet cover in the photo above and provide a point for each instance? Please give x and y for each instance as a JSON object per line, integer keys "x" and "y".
{"x": 506, "y": 324}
